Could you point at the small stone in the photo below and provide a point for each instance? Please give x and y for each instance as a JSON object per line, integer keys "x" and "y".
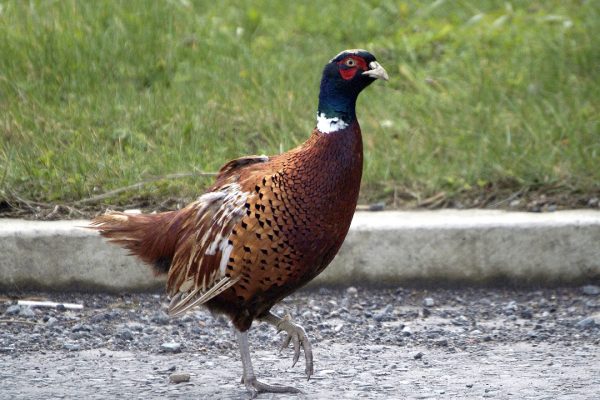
{"x": 71, "y": 346}
{"x": 94, "y": 319}
{"x": 81, "y": 328}
{"x": 460, "y": 320}
{"x": 591, "y": 304}
{"x": 428, "y": 302}
{"x": 589, "y": 322}
{"x": 188, "y": 318}
{"x": 171, "y": 347}
{"x": 591, "y": 290}
{"x": 179, "y": 377}
{"x": 13, "y": 310}
{"x": 124, "y": 333}
{"x": 594, "y": 202}
{"x": 27, "y": 312}
{"x": 418, "y": 356}
{"x": 532, "y": 334}
{"x": 526, "y": 313}
{"x": 352, "y": 291}
{"x": 195, "y": 329}
{"x": 160, "y": 318}
{"x": 135, "y": 326}
{"x": 51, "y": 321}
{"x": 469, "y": 385}
{"x": 172, "y": 368}
{"x": 510, "y": 307}
{"x": 380, "y": 206}
{"x": 383, "y": 314}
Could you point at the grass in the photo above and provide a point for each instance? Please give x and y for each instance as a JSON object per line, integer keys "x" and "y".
{"x": 97, "y": 95}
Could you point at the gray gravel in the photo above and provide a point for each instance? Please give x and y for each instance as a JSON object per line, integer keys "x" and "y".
{"x": 368, "y": 343}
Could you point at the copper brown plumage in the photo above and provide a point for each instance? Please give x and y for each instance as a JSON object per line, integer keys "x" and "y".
{"x": 268, "y": 225}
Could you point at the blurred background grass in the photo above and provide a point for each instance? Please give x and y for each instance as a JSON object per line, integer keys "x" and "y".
{"x": 485, "y": 97}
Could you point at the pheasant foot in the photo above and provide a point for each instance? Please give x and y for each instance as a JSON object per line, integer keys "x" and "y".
{"x": 295, "y": 335}
{"x": 253, "y": 385}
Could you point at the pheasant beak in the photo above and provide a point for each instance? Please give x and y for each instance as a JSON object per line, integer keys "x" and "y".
{"x": 376, "y": 71}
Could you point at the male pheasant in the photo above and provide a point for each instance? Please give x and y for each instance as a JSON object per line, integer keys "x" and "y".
{"x": 267, "y": 226}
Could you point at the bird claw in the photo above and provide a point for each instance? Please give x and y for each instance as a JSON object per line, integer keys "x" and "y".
{"x": 297, "y": 336}
{"x": 255, "y": 387}
{"x": 286, "y": 342}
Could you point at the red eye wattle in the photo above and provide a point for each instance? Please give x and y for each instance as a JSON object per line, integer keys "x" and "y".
{"x": 349, "y": 66}
{"x": 348, "y": 74}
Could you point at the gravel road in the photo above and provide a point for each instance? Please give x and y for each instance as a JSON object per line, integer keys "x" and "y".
{"x": 368, "y": 343}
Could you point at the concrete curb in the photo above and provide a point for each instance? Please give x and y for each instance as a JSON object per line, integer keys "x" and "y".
{"x": 437, "y": 248}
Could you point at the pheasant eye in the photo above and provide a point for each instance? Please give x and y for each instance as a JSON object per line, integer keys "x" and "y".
{"x": 351, "y": 62}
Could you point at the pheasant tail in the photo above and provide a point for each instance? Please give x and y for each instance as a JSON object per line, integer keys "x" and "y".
{"x": 151, "y": 237}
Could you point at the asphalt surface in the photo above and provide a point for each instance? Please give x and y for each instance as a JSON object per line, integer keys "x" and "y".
{"x": 368, "y": 343}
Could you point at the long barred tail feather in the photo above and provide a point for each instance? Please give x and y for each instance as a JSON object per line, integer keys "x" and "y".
{"x": 151, "y": 237}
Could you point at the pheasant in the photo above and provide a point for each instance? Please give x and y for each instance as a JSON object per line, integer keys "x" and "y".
{"x": 267, "y": 226}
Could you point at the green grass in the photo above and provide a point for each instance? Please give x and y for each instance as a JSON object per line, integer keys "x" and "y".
{"x": 97, "y": 95}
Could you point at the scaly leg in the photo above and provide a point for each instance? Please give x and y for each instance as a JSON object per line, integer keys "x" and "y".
{"x": 295, "y": 335}
{"x": 249, "y": 379}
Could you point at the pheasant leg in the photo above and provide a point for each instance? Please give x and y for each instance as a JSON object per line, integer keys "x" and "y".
{"x": 295, "y": 335}
{"x": 253, "y": 385}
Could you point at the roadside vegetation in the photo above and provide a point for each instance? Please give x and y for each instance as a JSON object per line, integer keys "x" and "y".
{"x": 129, "y": 103}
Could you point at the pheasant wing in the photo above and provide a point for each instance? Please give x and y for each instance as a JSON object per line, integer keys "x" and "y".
{"x": 198, "y": 271}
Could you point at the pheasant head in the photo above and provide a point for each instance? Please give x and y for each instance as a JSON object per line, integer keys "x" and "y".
{"x": 344, "y": 77}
